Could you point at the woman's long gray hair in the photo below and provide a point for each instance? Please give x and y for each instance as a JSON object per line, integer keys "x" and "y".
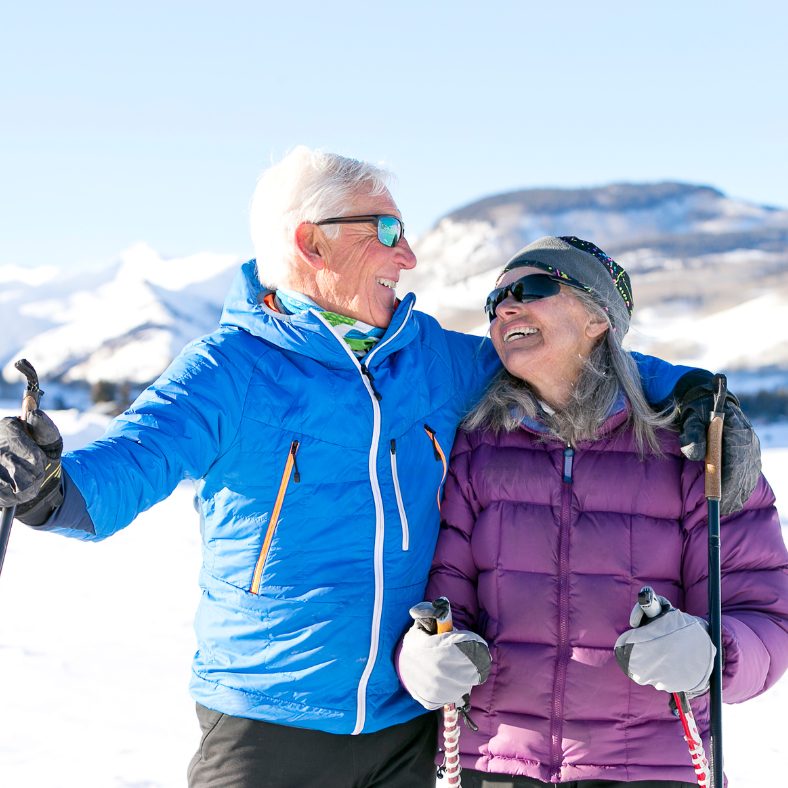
{"x": 608, "y": 371}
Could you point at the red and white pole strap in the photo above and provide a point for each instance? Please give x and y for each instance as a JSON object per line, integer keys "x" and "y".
{"x": 697, "y": 753}
{"x": 652, "y": 607}
{"x": 451, "y": 723}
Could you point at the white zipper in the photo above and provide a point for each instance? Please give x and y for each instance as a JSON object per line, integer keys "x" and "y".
{"x": 361, "y": 702}
{"x": 402, "y": 516}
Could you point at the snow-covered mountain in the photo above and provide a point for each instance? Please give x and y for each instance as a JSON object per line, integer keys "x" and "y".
{"x": 709, "y": 273}
{"x": 710, "y": 279}
{"x": 123, "y": 323}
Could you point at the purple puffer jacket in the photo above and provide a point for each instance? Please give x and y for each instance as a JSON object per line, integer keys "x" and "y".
{"x": 543, "y": 555}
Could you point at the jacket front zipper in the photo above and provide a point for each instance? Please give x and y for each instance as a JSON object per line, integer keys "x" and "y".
{"x": 380, "y": 524}
{"x": 439, "y": 455}
{"x": 280, "y": 497}
{"x": 402, "y": 517}
{"x": 563, "y": 611}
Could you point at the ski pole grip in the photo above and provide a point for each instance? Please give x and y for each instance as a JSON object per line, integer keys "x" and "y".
{"x": 649, "y": 602}
{"x": 443, "y": 619}
{"x": 33, "y": 392}
{"x": 28, "y": 403}
{"x": 714, "y": 441}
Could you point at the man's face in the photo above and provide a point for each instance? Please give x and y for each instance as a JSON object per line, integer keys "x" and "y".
{"x": 360, "y": 273}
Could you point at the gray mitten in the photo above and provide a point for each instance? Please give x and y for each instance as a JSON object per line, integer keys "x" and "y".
{"x": 672, "y": 652}
{"x": 438, "y": 669}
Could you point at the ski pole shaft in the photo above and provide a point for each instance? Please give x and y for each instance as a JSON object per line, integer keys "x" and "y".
{"x": 451, "y": 723}
{"x": 713, "y": 495}
{"x": 652, "y": 607}
{"x": 5, "y": 531}
{"x": 29, "y": 402}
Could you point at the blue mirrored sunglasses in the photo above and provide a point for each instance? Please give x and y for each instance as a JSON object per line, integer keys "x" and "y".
{"x": 390, "y": 228}
{"x": 529, "y": 288}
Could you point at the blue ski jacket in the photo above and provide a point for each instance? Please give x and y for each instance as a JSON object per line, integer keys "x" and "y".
{"x": 318, "y": 478}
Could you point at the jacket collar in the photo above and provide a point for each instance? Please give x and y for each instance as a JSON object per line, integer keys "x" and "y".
{"x": 617, "y": 416}
{"x": 306, "y": 333}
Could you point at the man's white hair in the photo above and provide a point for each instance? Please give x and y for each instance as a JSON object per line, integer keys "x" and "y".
{"x": 306, "y": 186}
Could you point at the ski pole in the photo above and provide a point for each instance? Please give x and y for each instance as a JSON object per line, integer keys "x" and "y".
{"x": 713, "y": 495}
{"x": 29, "y": 402}
{"x": 451, "y": 727}
{"x": 652, "y": 607}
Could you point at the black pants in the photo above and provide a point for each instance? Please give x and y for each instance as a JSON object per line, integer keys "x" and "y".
{"x": 240, "y": 753}
{"x": 473, "y": 779}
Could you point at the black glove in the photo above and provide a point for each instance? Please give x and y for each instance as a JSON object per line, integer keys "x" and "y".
{"x": 741, "y": 449}
{"x": 30, "y": 467}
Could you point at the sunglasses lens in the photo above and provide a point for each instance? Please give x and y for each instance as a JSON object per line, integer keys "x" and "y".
{"x": 389, "y": 230}
{"x": 529, "y": 288}
{"x": 537, "y": 286}
{"x": 493, "y": 300}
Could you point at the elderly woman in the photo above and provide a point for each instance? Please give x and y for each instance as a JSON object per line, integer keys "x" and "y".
{"x": 566, "y": 494}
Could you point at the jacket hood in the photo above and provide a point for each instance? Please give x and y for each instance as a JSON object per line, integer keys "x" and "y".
{"x": 306, "y": 333}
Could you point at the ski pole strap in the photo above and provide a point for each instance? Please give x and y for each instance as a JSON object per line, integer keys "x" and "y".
{"x": 714, "y": 440}
{"x": 697, "y": 754}
{"x": 451, "y": 729}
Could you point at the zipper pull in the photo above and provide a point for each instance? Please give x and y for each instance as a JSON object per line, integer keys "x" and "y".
{"x": 293, "y": 450}
{"x": 431, "y": 433}
{"x": 569, "y": 453}
{"x": 364, "y": 369}
{"x": 393, "y": 446}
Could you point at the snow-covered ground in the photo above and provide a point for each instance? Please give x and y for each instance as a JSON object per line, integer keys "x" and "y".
{"x": 96, "y": 642}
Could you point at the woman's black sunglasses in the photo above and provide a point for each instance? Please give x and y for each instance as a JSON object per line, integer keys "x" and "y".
{"x": 529, "y": 288}
{"x": 390, "y": 228}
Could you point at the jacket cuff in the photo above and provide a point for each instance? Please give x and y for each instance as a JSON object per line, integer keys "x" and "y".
{"x": 72, "y": 514}
{"x": 746, "y": 664}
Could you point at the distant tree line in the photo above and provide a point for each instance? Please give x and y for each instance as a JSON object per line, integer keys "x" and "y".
{"x": 117, "y": 393}
{"x": 766, "y": 405}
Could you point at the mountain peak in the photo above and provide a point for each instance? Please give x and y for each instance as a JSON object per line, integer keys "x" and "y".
{"x": 611, "y": 198}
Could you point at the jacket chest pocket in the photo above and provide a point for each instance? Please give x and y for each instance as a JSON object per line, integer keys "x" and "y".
{"x": 437, "y": 452}
{"x": 291, "y": 469}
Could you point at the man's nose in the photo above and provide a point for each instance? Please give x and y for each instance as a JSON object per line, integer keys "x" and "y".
{"x": 407, "y": 259}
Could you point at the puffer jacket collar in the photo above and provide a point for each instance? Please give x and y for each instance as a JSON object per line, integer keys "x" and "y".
{"x": 615, "y": 419}
{"x": 307, "y": 333}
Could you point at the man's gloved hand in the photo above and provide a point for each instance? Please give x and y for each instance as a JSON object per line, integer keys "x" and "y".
{"x": 30, "y": 466}
{"x": 741, "y": 449}
{"x": 438, "y": 669}
{"x": 672, "y": 652}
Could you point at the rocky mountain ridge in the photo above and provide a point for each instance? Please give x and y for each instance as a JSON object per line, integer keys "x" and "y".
{"x": 709, "y": 273}
{"x": 710, "y": 279}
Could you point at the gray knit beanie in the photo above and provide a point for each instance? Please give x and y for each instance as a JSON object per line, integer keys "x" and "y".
{"x": 581, "y": 264}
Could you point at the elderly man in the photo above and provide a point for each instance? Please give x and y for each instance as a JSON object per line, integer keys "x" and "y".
{"x": 315, "y": 423}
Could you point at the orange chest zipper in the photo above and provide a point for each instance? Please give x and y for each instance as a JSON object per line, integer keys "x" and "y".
{"x": 439, "y": 455}
{"x": 280, "y": 497}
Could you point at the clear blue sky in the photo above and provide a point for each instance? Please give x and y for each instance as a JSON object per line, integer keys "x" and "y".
{"x": 150, "y": 121}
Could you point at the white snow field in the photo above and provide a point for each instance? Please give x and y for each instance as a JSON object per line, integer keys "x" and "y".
{"x": 96, "y": 642}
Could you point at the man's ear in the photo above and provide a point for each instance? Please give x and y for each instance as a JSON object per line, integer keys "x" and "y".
{"x": 310, "y": 244}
